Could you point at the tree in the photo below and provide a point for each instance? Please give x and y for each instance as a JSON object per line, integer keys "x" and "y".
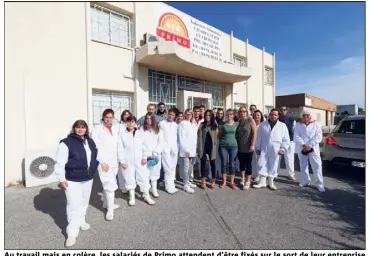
{"x": 361, "y": 111}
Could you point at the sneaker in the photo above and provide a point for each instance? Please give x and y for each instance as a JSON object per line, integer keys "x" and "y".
{"x": 246, "y": 186}
{"x": 70, "y": 241}
{"x": 320, "y": 189}
{"x": 188, "y": 189}
{"x": 305, "y": 185}
{"x": 172, "y": 191}
{"x": 85, "y": 226}
{"x": 109, "y": 215}
{"x": 191, "y": 185}
{"x": 292, "y": 177}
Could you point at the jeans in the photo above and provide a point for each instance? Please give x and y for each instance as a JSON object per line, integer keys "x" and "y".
{"x": 186, "y": 167}
{"x": 228, "y": 154}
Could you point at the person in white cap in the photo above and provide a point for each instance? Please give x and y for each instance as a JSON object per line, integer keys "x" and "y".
{"x": 307, "y": 136}
{"x": 169, "y": 158}
{"x": 132, "y": 155}
{"x": 106, "y": 138}
{"x": 272, "y": 141}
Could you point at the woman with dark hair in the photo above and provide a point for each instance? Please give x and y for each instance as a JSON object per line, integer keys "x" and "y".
{"x": 258, "y": 118}
{"x": 106, "y": 138}
{"x": 122, "y": 128}
{"x": 207, "y": 147}
{"x": 132, "y": 154}
{"x": 246, "y": 138}
{"x": 76, "y": 165}
{"x": 153, "y": 139}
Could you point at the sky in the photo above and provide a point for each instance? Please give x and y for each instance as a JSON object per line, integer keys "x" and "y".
{"x": 319, "y": 46}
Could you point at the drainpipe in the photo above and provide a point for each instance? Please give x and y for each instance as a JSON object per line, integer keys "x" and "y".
{"x": 232, "y": 61}
{"x": 246, "y": 60}
{"x": 135, "y": 65}
{"x": 87, "y": 52}
{"x": 274, "y": 82}
{"x": 263, "y": 80}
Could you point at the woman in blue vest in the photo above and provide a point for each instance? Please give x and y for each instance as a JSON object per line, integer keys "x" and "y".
{"x": 76, "y": 165}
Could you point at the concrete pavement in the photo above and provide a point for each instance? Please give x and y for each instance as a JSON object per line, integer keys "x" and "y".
{"x": 289, "y": 218}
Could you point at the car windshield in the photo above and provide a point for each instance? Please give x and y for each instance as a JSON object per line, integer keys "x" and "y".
{"x": 352, "y": 127}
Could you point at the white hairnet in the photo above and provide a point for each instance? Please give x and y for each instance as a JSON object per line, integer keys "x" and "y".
{"x": 305, "y": 112}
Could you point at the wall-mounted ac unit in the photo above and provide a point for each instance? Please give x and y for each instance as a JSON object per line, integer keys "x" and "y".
{"x": 39, "y": 167}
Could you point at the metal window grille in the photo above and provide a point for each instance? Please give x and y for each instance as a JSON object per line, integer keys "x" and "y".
{"x": 164, "y": 86}
{"x": 240, "y": 61}
{"x": 111, "y": 27}
{"x": 269, "y": 76}
{"x": 116, "y": 101}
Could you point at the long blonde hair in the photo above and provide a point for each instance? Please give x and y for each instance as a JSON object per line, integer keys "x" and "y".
{"x": 192, "y": 115}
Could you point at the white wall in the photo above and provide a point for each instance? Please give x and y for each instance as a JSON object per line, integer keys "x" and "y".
{"x": 111, "y": 68}
{"x": 46, "y": 59}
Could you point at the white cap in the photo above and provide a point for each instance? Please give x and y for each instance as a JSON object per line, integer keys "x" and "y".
{"x": 305, "y": 112}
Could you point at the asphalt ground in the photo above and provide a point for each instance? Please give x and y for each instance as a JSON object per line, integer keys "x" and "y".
{"x": 289, "y": 218}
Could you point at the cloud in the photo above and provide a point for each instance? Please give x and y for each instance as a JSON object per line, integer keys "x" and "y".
{"x": 342, "y": 83}
{"x": 244, "y": 21}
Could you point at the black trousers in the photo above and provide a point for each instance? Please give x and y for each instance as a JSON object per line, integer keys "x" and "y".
{"x": 245, "y": 162}
{"x": 203, "y": 167}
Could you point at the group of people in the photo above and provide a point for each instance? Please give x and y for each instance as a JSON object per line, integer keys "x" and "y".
{"x": 137, "y": 152}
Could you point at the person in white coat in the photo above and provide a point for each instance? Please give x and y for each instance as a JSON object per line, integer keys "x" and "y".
{"x": 188, "y": 136}
{"x": 169, "y": 155}
{"x": 106, "y": 137}
{"x": 307, "y": 136}
{"x": 272, "y": 142}
{"x": 153, "y": 139}
{"x": 75, "y": 167}
{"x": 132, "y": 155}
{"x": 122, "y": 127}
{"x": 258, "y": 119}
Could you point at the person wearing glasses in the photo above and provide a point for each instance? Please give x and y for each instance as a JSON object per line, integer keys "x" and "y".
{"x": 307, "y": 136}
{"x": 246, "y": 138}
{"x": 272, "y": 141}
{"x": 228, "y": 148}
{"x": 207, "y": 147}
{"x": 188, "y": 136}
{"x": 106, "y": 138}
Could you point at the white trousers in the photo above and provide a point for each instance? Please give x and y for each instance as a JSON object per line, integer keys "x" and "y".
{"x": 268, "y": 164}
{"x": 155, "y": 170}
{"x": 109, "y": 184}
{"x": 136, "y": 174}
{"x": 289, "y": 159}
{"x": 169, "y": 163}
{"x": 316, "y": 165}
{"x": 254, "y": 165}
{"x": 77, "y": 195}
{"x": 121, "y": 180}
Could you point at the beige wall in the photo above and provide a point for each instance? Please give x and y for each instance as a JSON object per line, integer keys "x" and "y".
{"x": 45, "y": 77}
{"x": 316, "y": 114}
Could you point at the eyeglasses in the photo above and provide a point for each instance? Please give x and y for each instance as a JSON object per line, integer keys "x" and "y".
{"x": 188, "y": 114}
{"x": 243, "y": 111}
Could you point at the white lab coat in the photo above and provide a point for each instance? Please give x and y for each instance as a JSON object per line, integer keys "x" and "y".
{"x": 131, "y": 151}
{"x": 77, "y": 193}
{"x": 107, "y": 153}
{"x": 154, "y": 145}
{"x": 310, "y": 135}
{"x": 188, "y": 136}
{"x": 170, "y": 152}
{"x": 269, "y": 143}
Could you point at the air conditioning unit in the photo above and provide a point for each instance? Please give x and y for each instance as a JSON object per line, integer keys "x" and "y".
{"x": 39, "y": 167}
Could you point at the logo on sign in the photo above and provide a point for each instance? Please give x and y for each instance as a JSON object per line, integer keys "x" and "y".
{"x": 172, "y": 28}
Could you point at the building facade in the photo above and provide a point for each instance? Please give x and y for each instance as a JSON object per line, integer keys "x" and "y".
{"x": 321, "y": 110}
{"x": 66, "y": 61}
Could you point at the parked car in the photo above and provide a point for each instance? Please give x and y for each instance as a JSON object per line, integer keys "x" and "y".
{"x": 346, "y": 144}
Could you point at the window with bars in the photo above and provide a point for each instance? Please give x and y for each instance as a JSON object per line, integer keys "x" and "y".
{"x": 116, "y": 101}
{"x": 164, "y": 86}
{"x": 269, "y": 76}
{"x": 240, "y": 61}
{"x": 111, "y": 27}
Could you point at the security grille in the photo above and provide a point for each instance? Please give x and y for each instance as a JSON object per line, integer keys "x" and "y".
{"x": 116, "y": 101}
{"x": 269, "y": 76}
{"x": 164, "y": 86}
{"x": 111, "y": 27}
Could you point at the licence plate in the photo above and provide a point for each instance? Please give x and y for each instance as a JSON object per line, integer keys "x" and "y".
{"x": 358, "y": 164}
